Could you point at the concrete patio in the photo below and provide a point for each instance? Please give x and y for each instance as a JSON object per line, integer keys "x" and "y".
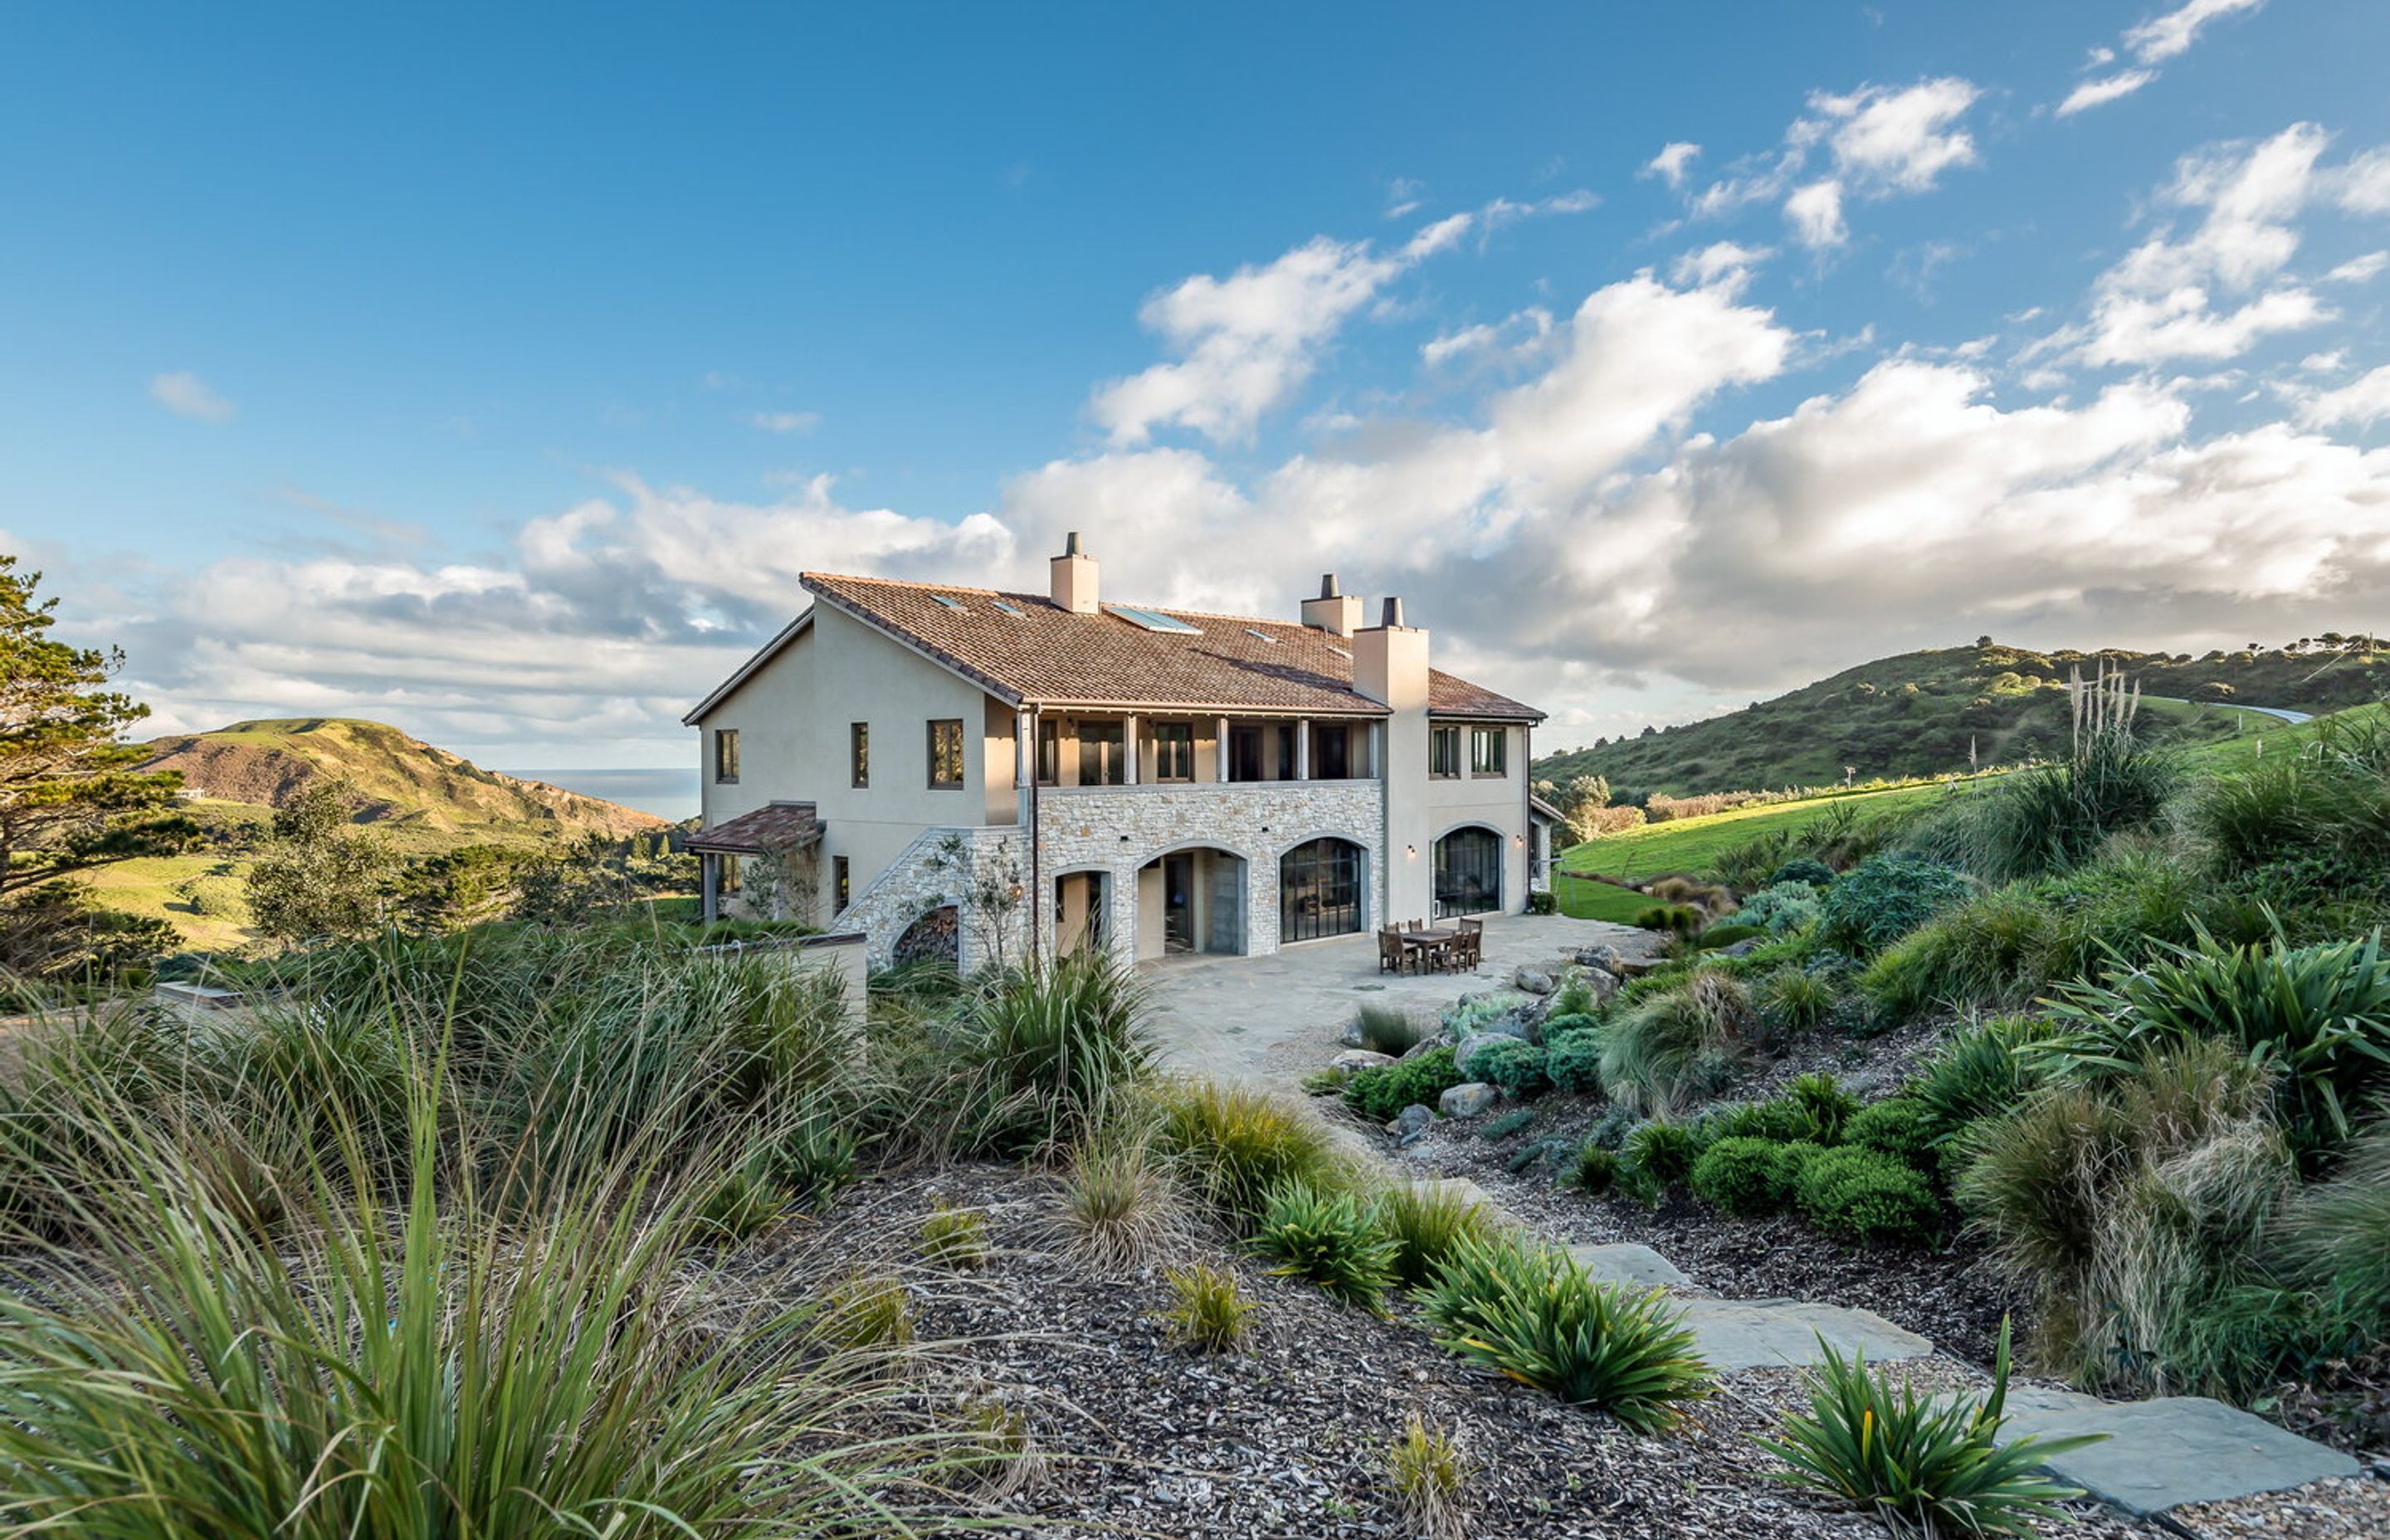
{"x": 1274, "y": 1019}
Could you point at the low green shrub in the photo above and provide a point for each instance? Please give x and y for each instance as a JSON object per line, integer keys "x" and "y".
{"x": 1737, "y": 1175}
{"x": 1795, "y": 998}
{"x": 1775, "y": 1120}
{"x": 1211, "y": 1312}
{"x": 1900, "y": 1127}
{"x": 1532, "y": 1313}
{"x": 1661, "y": 1153}
{"x": 1237, "y": 1145}
{"x": 1885, "y": 897}
{"x": 1677, "y": 920}
{"x": 1543, "y": 901}
{"x": 1597, "y": 1168}
{"x": 1676, "y": 1042}
{"x": 1728, "y": 934}
{"x": 1381, "y": 1091}
{"x": 1924, "y": 1465}
{"x": 1567, "y": 1023}
{"x": 1575, "y": 996}
{"x": 1805, "y": 870}
{"x": 1793, "y": 1159}
{"x": 1820, "y": 1106}
{"x": 1515, "y": 1120}
{"x": 1425, "y": 1223}
{"x": 1512, "y": 1064}
{"x": 1573, "y": 1063}
{"x": 1864, "y": 1194}
{"x": 1331, "y": 1240}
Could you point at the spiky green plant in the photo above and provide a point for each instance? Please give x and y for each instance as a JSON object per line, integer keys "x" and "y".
{"x": 1925, "y": 1467}
{"x": 1429, "y": 1478}
{"x": 1330, "y": 1240}
{"x": 955, "y": 1239}
{"x": 1212, "y": 1314}
{"x": 1533, "y": 1313}
{"x": 1425, "y": 1223}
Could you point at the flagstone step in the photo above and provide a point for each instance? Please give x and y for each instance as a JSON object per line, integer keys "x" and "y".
{"x": 1756, "y": 1334}
{"x": 2173, "y": 1450}
{"x": 1637, "y": 1266}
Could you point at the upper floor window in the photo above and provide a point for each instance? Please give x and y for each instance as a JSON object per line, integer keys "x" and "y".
{"x": 858, "y": 753}
{"x": 1049, "y": 751}
{"x": 1444, "y": 751}
{"x": 1174, "y": 751}
{"x": 1331, "y": 745}
{"x": 946, "y": 755}
{"x": 1489, "y": 751}
{"x": 1102, "y": 754}
{"x": 725, "y": 756}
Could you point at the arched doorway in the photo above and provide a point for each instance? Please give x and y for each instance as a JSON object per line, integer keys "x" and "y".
{"x": 937, "y": 936}
{"x": 1082, "y": 913}
{"x": 1468, "y": 872}
{"x": 1320, "y": 890}
{"x": 1190, "y": 900}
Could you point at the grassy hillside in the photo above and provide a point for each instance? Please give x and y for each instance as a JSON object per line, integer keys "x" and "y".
{"x": 1690, "y": 844}
{"x": 425, "y": 798}
{"x": 1918, "y": 714}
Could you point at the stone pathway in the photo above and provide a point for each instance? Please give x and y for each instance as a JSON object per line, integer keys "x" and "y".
{"x": 2158, "y": 1455}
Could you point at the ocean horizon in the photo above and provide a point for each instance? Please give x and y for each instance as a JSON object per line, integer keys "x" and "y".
{"x": 666, "y": 793}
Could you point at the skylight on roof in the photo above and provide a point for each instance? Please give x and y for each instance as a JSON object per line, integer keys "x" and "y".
{"x": 1263, "y": 635}
{"x": 1010, "y": 609}
{"x": 951, "y": 604}
{"x": 1340, "y": 652}
{"x": 1153, "y": 620}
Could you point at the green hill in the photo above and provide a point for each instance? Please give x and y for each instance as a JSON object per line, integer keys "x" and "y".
{"x": 1921, "y": 714}
{"x": 424, "y": 797}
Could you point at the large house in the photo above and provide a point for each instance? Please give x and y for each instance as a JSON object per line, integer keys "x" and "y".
{"x": 982, "y": 775}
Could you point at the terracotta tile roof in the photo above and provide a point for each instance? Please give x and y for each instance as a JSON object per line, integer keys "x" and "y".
{"x": 778, "y": 826}
{"x": 1043, "y": 654}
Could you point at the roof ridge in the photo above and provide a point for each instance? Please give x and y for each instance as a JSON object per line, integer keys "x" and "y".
{"x": 1042, "y": 598}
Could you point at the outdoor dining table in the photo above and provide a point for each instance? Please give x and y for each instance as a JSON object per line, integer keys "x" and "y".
{"x": 1427, "y": 938}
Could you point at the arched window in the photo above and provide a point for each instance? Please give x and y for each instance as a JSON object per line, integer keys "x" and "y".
{"x": 1320, "y": 890}
{"x": 1468, "y": 872}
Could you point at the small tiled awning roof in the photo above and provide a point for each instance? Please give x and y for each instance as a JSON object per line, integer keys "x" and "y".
{"x": 766, "y": 832}
{"x": 1545, "y": 810}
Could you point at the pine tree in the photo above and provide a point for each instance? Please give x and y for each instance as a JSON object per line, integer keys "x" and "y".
{"x": 70, "y": 797}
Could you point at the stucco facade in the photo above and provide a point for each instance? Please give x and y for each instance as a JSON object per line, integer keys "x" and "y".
{"x": 1145, "y": 825}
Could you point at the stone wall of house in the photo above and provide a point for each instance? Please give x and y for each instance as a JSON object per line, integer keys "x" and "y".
{"x": 979, "y": 872}
{"x": 1116, "y": 829}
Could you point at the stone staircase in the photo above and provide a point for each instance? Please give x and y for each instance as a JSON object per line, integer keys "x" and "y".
{"x": 2163, "y": 1454}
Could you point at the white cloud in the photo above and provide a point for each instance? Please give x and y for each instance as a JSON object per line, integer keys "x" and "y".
{"x": 2165, "y": 37}
{"x": 1403, "y": 196}
{"x": 1815, "y": 214}
{"x": 2364, "y": 182}
{"x": 1673, "y": 161}
{"x": 782, "y": 422}
{"x": 186, "y": 395}
{"x": 1515, "y": 334}
{"x": 2360, "y": 269}
{"x": 2364, "y": 401}
{"x": 2325, "y": 362}
{"x": 1724, "y": 264}
{"x": 2098, "y": 92}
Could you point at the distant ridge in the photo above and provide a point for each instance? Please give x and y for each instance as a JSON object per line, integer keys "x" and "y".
{"x": 401, "y": 783}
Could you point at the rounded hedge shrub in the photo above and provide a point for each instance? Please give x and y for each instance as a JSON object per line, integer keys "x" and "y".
{"x": 1901, "y": 1127}
{"x": 1793, "y": 1164}
{"x": 1885, "y": 897}
{"x": 1728, "y": 934}
{"x": 1514, "y": 1065}
{"x": 1573, "y": 1063}
{"x": 1662, "y": 1153}
{"x": 1804, "y": 869}
{"x": 1866, "y": 1195}
{"x": 1378, "y": 1093}
{"x": 1739, "y": 1175}
{"x": 1597, "y": 1168}
{"x": 1562, "y": 1024}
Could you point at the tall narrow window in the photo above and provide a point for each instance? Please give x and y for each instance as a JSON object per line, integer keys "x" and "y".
{"x": 1174, "y": 751}
{"x": 858, "y": 753}
{"x": 1444, "y": 751}
{"x": 1049, "y": 751}
{"x": 1488, "y": 750}
{"x": 1101, "y": 747}
{"x": 946, "y": 755}
{"x": 1331, "y": 744}
{"x": 837, "y": 873}
{"x": 725, "y": 756}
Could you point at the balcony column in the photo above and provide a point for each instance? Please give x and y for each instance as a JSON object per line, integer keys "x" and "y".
{"x": 1024, "y": 745}
{"x": 1220, "y": 751}
{"x": 1302, "y": 749}
{"x": 709, "y": 866}
{"x": 1128, "y": 747}
{"x": 1376, "y": 750}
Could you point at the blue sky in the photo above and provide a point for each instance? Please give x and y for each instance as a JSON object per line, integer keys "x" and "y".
{"x": 493, "y": 370}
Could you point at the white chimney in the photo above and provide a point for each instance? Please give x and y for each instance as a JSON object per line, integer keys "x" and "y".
{"x": 1390, "y": 662}
{"x": 1333, "y": 612}
{"x": 1074, "y": 579}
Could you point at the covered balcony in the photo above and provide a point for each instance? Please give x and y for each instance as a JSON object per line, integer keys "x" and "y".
{"x": 1089, "y": 750}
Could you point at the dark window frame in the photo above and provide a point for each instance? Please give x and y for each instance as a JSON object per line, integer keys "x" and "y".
{"x": 1444, "y": 753}
{"x": 1320, "y": 890}
{"x": 938, "y": 725}
{"x": 725, "y": 756}
{"x": 841, "y": 893}
{"x": 1484, "y": 765}
{"x": 1049, "y": 751}
{"x": 1103, "y": 749}
{"x": 859, "y": 755}
{"x": 1171, "y": 739}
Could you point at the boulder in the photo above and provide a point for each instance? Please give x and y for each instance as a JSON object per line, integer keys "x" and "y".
{"x": 1466, "y": 1101}
{"x": 1422, "y": 1046}
{"x": 1351, "y": 1037}
{"x": 1411, "y": 1119}
{"x": 1601, "y": 981}
{"x": 1471, "y": 1046}
{"x": 1359, "y": 1059}
{"x": 1743, "y": 948}
{"x": 1534, "y": 981}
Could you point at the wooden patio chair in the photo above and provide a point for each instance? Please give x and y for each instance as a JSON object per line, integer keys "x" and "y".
{"x": 1390, "y": 950}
